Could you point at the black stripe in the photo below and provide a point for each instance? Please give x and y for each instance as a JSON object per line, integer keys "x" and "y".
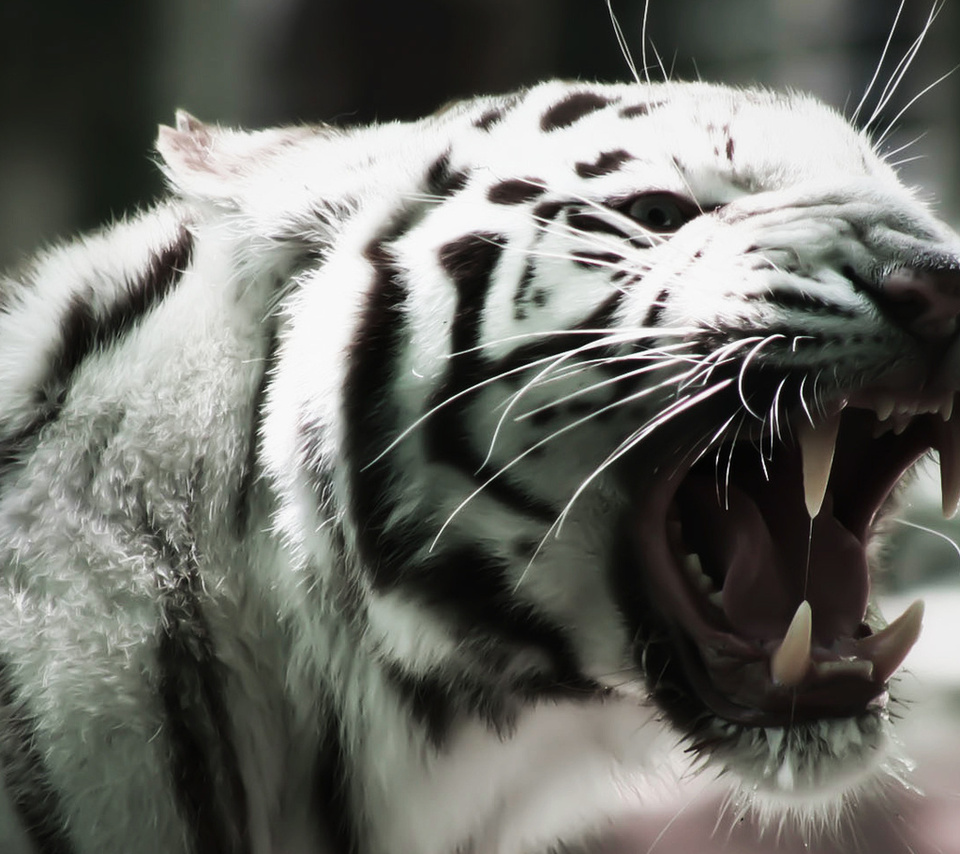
{"x": 470, "y": 262}
{"x": 489, "y": 118}
{"x": 203, "y": 761}
{"x": 516, "y": 190}
{"x": 642, "y": 109}
{"x": 547, "y": 211}
{"x": 370, "y": 410}
{"x": 522, "y": 295}
{"x": 249, "y": 473}
{"x": 494, "y": 115}
{"x": 468, "y": 584}
{"x": 475, "y": 588}
{"x": 583, "y": 258}
{"x": 606, "y": 162}
{"x": 797, "y": 300}
{"x": 655, "y": 312}
{"x": 25, "y": 775}
{"x": 555, "y": 345}
{"x": 593, "y": 224}
{"x": 332, "y": 782}
{"x": 437, "y": 699}
{"x": 84, "y": 329}
{"x": 571, "y": 109}
{"x": 442, "y": 181}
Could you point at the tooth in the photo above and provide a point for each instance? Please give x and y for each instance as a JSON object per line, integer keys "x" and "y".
{"x": 790, "y": 663}
{"x": 888, "y": 648}
{"x": 946, "y": 408}
{"x": 861, "y": 667}
{"x": 884, "y": 407}
{"x": 691, "y": 563}
{"x": 949, "y": 448}
{"x": 816, "y": 450}
{"x": 716, "y": 599}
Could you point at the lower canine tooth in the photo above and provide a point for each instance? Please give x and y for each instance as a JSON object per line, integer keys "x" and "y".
{"x": 791, "y": 661}
{"x": 888, "y": 648}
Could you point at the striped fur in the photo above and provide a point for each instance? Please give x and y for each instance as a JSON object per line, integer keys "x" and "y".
{"x": 282, "y": 463}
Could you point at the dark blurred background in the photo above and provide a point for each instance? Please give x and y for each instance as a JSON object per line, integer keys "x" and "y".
{"x": 84, "y": 84}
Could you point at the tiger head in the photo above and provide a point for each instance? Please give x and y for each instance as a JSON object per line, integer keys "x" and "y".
{"x": 605, "y": 389}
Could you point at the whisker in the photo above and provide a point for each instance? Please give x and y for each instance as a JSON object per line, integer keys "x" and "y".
{"x": 904, "y": 65}
{"x": 643, "y": 41}
{"x": 934, "y": 531}
{"x": 910, "y": 103}
{"x": 876, "y": 72}
{"x": 622, "y": 42}
{"x": 598, "y": 385}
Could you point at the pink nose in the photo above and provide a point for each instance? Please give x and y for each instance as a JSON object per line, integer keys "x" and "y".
{"x": 926, "y": 303}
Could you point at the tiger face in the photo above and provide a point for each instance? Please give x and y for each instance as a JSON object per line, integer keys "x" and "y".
{"x": 634, "y": 374}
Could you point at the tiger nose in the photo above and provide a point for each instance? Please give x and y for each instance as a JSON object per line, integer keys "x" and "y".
{"x": 924, "y": 302}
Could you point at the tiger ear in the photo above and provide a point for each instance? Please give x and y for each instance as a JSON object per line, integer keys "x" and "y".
{"x": 215, "y": 163}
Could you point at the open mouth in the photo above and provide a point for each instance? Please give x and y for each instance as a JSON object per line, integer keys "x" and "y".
{"x": 756, "y": 558}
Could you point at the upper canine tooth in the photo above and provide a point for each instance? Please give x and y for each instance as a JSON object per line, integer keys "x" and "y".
{"x": 884, "y": 407}
{"x": 791, "y": 661}
{"x": 946, "y": 408}
{"x": 817, "y": 444}
{"x": 949, "y": 447}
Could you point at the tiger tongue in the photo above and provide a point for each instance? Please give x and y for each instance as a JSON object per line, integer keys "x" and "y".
{"x": 775, "y": 557}
{"x": 757, "y": 541}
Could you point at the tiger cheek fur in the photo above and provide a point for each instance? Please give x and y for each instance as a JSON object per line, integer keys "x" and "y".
{"x": 389, "y": 488}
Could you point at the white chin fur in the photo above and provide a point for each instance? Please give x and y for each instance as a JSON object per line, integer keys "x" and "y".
{"x": 810, "y": 776}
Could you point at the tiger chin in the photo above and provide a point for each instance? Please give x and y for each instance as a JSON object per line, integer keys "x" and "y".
{"x": 416, "y": 488}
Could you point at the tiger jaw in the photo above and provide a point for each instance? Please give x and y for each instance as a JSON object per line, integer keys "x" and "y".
{"x": 761, "y": 573}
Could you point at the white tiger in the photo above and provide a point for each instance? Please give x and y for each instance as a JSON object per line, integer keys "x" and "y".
{"x": 389, "y": 489}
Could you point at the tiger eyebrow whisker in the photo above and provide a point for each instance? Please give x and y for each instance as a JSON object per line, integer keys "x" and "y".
{"x": 890, "y": 126}
{"x": 887, "y": 155}
{"x": 622, "y": 42}
{"x": 879, "y": 66}
{"x": 900, "y": 71}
